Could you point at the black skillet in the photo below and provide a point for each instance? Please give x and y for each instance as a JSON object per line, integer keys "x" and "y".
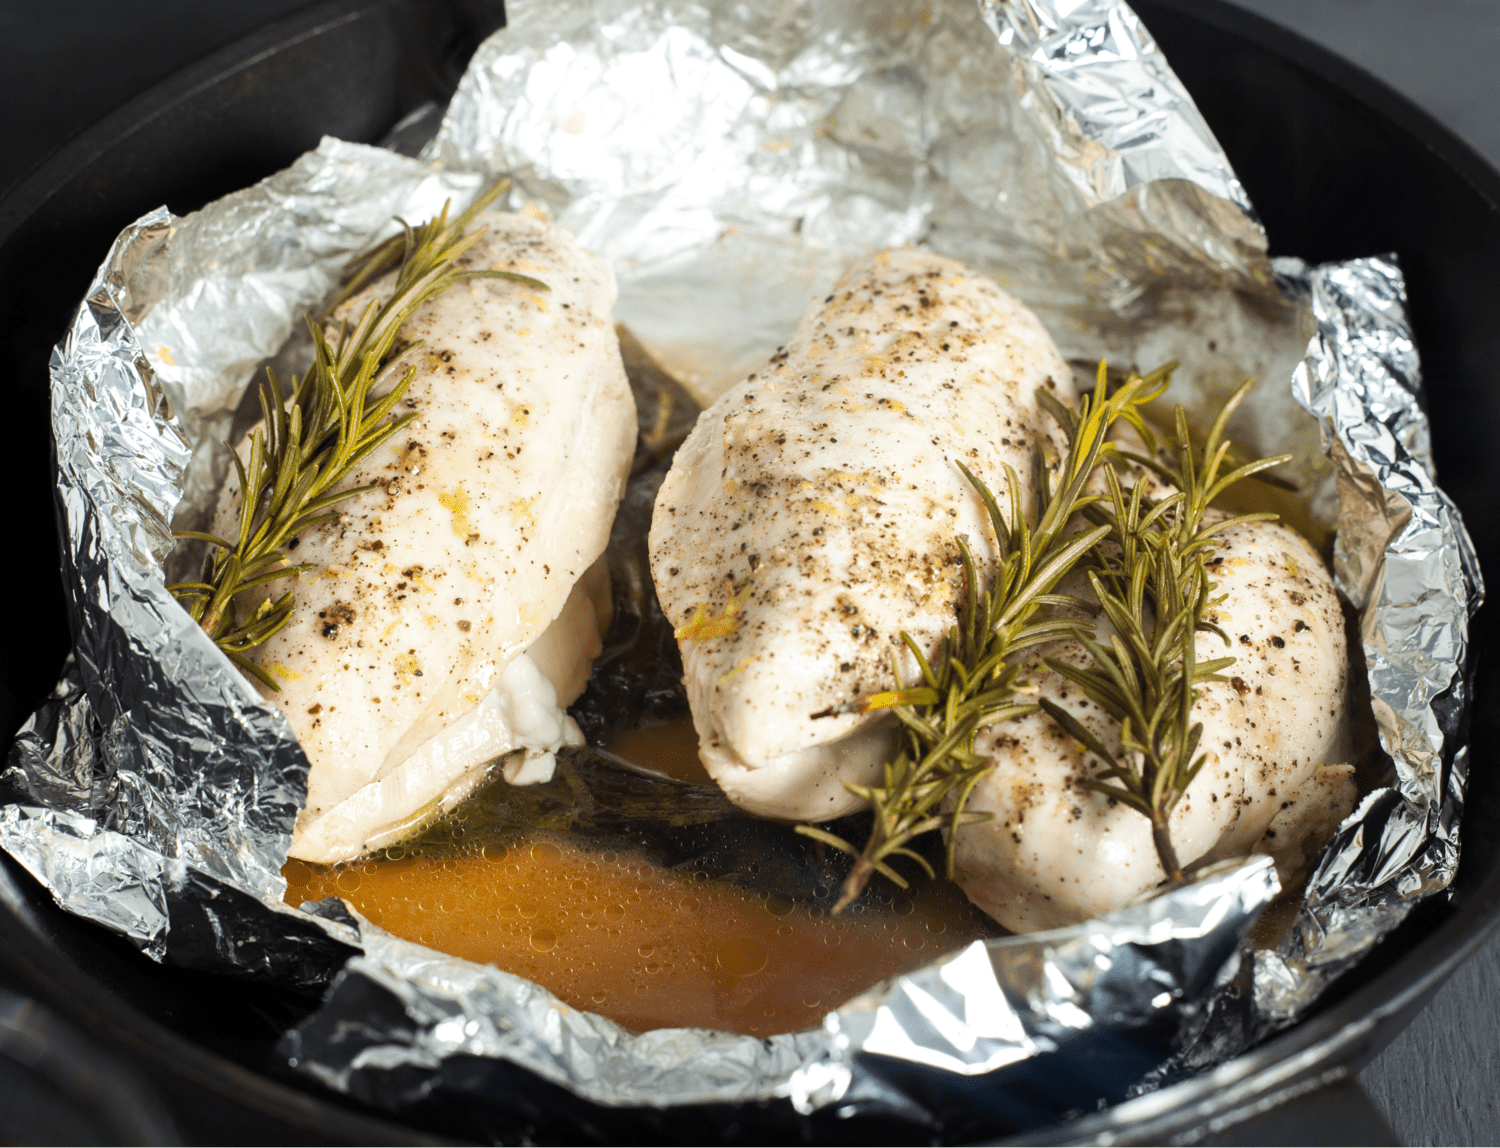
{"x": 1337, "y": 165}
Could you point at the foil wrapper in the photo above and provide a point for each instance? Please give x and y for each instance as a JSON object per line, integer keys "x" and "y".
{"x": 730, "y": 163}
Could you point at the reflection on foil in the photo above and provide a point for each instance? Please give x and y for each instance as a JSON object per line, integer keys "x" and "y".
{"x": 730, "y": 160}
{"x": 1403, "y": 557}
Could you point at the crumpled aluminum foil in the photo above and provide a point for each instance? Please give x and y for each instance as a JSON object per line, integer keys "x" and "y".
{"x": 730, "y": 162}
{"x": 1404, "y": 560}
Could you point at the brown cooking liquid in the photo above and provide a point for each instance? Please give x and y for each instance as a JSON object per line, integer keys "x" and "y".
{"x": 612, "y": 933}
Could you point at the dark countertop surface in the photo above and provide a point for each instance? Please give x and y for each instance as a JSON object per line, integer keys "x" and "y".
{"x": 63, "y": 67}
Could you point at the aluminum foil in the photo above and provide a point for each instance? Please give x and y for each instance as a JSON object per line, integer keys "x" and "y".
{"x": 730, "y": 163}
{"x": 1404, "y": 560}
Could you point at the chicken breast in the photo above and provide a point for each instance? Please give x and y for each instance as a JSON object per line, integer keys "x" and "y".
{"x": 1055, "y": 853}
{"x": 811, "y": 517}
{"x": 454, "y": 611}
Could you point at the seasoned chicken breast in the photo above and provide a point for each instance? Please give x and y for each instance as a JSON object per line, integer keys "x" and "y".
{"x": 1055, "y": 853}
{"x": 454, "y": 611}
{"x": 811, "y": 517}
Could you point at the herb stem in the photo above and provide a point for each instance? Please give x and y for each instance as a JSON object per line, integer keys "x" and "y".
{"x": 1150, "y": 578}
{"x": 309, "y": 444}
{"x": 971, "y": 682}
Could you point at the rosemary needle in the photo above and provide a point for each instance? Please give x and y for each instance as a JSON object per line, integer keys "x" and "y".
{"x": 1150, "y": 577}
{"x": 972, "y": 680}
{"x": 338, "y": 413}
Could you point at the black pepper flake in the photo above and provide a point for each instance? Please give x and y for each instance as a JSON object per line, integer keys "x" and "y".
{"x": 464, "y": 624}
{"x": 1277, "y": 642}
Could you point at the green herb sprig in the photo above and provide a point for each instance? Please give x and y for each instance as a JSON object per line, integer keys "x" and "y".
{"x": 972, "y": 681}
{"x": 337, "y": 415}
{"x": 1149, "y": 574}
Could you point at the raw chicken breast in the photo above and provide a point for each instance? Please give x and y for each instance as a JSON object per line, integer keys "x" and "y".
{"x": 454, "y": 611}
{"x": 811, "y": 517}
{"x": 1055, "y": 853}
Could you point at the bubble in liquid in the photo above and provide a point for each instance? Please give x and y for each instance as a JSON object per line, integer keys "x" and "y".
{"x": 784, "y": 930}
{"x": 395, "y": 853}
{"x": 546, "y": 853}
{"x": 936, "y": 927}
{"x": 297, "y": 873}
{"x": 543, "y": 940}
{"x": 508, "y": 910}
{"x": 599, "y": 998}
{"x": 609, "y": 856}
{"x": 653, "y": 967}
{"x": 493, "y": 852}
{"x": 778, "y": 904}
{"x": 586, "y": 913}
{"x": 903, "y": 906}
{"x": 811, "y": 1000}
{"x": 448, "y": 903}
{"x": 831, "y": 939}
{"x": 528, "y": 909}
{"x": 688, "y": 904}
{"x": 348, "y": 880}
{"x": 646, "y": 950}
{"x": 614, "y": 912}
{"x": 742, "y": 957}
{"x": 913, "y": 941}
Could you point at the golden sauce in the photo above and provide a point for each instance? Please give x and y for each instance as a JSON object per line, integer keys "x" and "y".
{"x": 670, "y": 748}
{"x": 650, "y": 948}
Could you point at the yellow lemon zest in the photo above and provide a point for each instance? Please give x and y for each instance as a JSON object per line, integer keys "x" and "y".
{"x": 704, "y": 625}
{"x": 739, "y": 668}
{"x": 457, "y": 504}
{"x": 520, "y": 509}
{"x": 407, "y": 667}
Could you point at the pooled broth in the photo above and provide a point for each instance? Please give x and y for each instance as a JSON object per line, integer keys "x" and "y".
{"x": 613, "y": 931}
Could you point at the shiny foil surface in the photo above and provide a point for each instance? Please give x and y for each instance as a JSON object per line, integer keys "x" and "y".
{"x": 730, "y": 161}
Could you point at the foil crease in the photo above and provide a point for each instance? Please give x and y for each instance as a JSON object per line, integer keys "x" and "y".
{"x": 1403, "y": 558}
{"x": 730, "y": 162}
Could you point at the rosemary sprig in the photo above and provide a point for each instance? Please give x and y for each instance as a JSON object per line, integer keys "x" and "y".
{"x": 1150, "y": 577}
{"x": 337, "y": 415}
{"x": 972, "y": 681}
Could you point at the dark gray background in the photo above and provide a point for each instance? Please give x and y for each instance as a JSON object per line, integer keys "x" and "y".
{"x": 65, "y": 65}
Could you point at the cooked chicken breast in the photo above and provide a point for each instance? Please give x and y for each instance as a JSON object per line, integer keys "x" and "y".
{"x": 1055, "y": 853}
{"x": 811, "y": 517}
{"x": 454, "y": 611}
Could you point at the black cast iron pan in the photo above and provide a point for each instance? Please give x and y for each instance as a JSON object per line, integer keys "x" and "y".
{"x": 1337, "y": 165}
